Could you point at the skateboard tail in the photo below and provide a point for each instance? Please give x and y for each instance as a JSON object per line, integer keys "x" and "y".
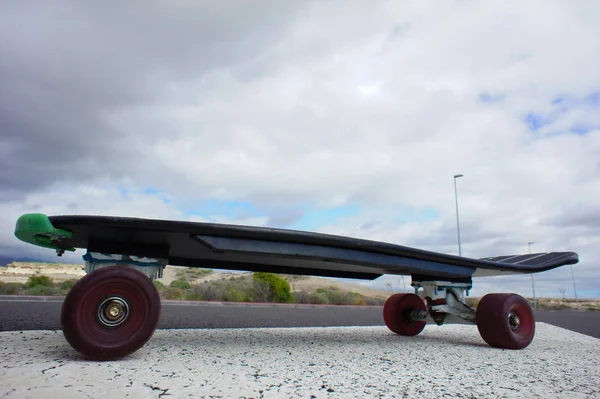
{"x": 36, "y": 229}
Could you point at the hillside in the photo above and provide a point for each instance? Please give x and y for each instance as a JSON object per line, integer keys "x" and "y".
{"x": 19, "y": 272}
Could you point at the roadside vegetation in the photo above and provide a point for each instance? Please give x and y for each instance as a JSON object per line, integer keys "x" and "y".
{"x": 37, "y": 285}
{"x": 260, "y": 287}
{"x": 255, "y": 287}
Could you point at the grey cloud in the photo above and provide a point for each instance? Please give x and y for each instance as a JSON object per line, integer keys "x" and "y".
{"x": 586, "y": 216}
{"x": 67, "y": 65}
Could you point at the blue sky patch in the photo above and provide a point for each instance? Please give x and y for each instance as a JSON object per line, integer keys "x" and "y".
{"x": 593, "y": 98}
{"x": 537, "y": 121}
{"x": 491, "y": 97}
{"x": 315, "y": 218}
{"x": 562, "y": 105}
{"x": 150, "y": 191}
{"x": 123, "y": 191}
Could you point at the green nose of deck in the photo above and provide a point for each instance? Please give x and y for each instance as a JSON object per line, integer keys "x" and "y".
{"x": 36, "y": 229}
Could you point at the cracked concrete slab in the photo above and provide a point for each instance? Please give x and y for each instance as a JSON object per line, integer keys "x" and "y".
{"x": 330, "y": 362}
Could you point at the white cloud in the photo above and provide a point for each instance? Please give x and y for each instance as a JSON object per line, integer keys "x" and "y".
{"x": 376, "y": 104}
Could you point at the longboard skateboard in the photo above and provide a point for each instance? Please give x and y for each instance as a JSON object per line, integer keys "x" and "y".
{"x": 113, "y": 311}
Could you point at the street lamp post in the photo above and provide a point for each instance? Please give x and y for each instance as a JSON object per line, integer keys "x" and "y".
{"x": 532, "y": 284}
{"x": 457, "y": 220}
{"x": 574, "y": 287}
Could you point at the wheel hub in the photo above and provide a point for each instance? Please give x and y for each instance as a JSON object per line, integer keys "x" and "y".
{"x": 113, "y": 311}
{"x": 513, "y": 320}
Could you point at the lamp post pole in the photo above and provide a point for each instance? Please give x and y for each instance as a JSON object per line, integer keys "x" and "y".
{"x": 532, "y": 284}
{"x": 574, "y": 288}
{"x": 457, "y": 219}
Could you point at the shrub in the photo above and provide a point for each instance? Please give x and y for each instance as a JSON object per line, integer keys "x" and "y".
{"x": 356, "y": 298}
{"x": 174, "y": 293}
{"x": 319, "y": 298}
{"x": 192, "y": 273}
{"x": 10, "y": 288}
{"x": 67, "y": 284}
{"x": 335, "y": 296}
{"x": 295, "y": 277}
{"x": 261, "y": 291}
{"x": 194, "y": 294}
{"x": 41, "y": 290}
{"x": 279, "y": 287}
{"x": 301, "y": 297}
{"x": 233, "y": 295}
{"x": 40, "y": 280}
{"x": 181, "y": 284}
{"x": 158, "y": 285}
{"x": 372, "y": 301}
{"x": 211, "y": 292}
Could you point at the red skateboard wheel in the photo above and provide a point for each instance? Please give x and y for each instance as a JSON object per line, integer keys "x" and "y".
{"x": 396, "y": 314}
{"x": 110, "y": 313}
{"x": 505, "y": 321}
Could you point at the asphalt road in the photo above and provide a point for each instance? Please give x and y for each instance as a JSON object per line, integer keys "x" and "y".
{"x": 38, "y": 313}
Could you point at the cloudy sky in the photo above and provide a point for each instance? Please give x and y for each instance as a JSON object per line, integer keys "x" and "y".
{"x": 341, "y": 117}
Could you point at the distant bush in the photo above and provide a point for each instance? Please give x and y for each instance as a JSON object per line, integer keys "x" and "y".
{"x": 194, "y": 294}
{"x": 67, "y": 284}
{"x": 301, "y": 297}
{"x": 357, "y": 298}
{"x": 181, "y": 284}
{"x": 41, "y": 290}
{"x": 40, "y": 280}
{"x": 230, "y": 290}
{"x": 295, "y": 277}
{"x": 335, "y": 296}
{"x": 10, "y": 288}
{"x": 372, "y": 301}
{"x": 158, "y": 285}
{"x": 210, "y": 292}
{"x": 261, "y": 287}
{"x": 279, "y": 287}
{"x": 174, "y": 293}
{"x": 319, "y": 298}
{"x": 233, "y": 295}
{"x": 192, "y": 273}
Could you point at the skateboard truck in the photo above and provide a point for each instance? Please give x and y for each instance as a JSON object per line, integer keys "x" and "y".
{"x": 504, "y": 320}
{"x": 444, "y": 298}
{"x": 150, "y": 267}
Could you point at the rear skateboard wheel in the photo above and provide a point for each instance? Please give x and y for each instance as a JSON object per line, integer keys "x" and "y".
{"x": 505, "y": 321}
{"x": 397, "y": 314}
{"x": 110, "y": 313}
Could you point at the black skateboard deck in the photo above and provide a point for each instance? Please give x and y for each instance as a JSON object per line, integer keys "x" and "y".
{"x": 233, "y": 247}
{"x": 113, "y": 311}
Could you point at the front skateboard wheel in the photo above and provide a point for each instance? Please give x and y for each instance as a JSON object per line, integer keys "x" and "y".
{"x": 398, "y": 313}
{"x": 110, "y": 313}
{"x": 505, "y": 321}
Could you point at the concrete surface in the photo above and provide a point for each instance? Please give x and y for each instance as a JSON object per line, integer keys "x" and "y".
{"x": 332, "y": 362}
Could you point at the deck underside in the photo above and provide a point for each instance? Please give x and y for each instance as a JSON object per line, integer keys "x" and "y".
{"x": 232, "y": 247}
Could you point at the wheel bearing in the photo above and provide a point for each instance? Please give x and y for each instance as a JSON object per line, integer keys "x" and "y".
{"x": 112, "y": 312}
{"x": 514, "y": 321}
